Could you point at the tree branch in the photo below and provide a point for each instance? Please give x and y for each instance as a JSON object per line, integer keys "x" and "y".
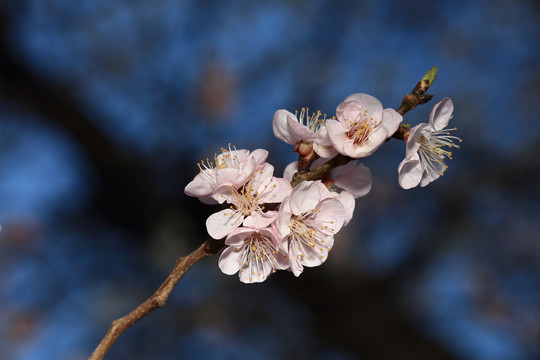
{"x": 118, "y": 326}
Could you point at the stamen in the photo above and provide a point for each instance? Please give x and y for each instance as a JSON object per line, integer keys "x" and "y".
{"x": 314, "y": 122}
{"x": 431, "y": 153}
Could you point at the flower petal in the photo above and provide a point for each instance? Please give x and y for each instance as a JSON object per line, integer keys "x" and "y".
{"x": 230, "y": 260}
{"x": 354, "y": 179}
{"x": 282, "y": 128}
{"x": 259, "y": 219}
{"x": 413, "y": 141}
{"x": 223, "y": 222}
{"x": 260, "y": 155}
{"x": 201, "y": 185}
{"x": 277, "y": 190}
{"x": 391, "y": 121}
{"x": 410, "y": 172}
{"x": 290, "y": 170}
{"x": 441, "y": 114}
{"x": 347, "y": 200}
{"x": 368, "y": 102}
{"x": 337, "y": 135}
{"x": 305, "y": 196}
{"x": 330, "y": 216}
{"x": 323, "y": 145}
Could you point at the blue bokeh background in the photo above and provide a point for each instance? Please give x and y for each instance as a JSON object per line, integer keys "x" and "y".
{"x": 107, "y": 106}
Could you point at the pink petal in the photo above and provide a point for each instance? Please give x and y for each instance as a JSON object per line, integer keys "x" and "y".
{"x": 201, "y": 185}
{"x": 314, "y": 256}
{"x": 410, "y": 172}
{"x": 259, "y": 219}
{"x": 434, "y": 175}
{"x": 354, "y": 179}
{"x": 224, "y": 193}
{"x": 441, "y": 114}
{"x": 284, "y": 218}
{"x": 348, "y": 111}
{"x": 260, "y": 155}
{"x": 413, "y": 141}
{"x": 323, "y": 145}
{"x": 281, "y": 126}
{"x": 278, "y": 189}
{"x": 391, "y": 121}
{"x": 300, "y": 131}
{"x": 290, "y": 170}
{"x": 305, "y": 197}
{"x": 367, "y": 102}
{"x": 223, "y": 222}
{"x": 347, "y": 200}
{"x": 295, "y": 264}
{"x": 230, "y": 259}
{"x": 330, "y": 216}
{"x": 238, "y": 235}
{"x": 337, "y": 134}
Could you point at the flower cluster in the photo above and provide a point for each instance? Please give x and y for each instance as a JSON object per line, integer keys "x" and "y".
{"x": 268, "y": 224}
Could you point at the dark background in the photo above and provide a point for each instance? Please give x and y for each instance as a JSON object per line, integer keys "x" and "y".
{"x": 107, "y": 106}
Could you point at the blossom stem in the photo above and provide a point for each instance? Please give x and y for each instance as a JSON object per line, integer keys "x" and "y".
{"x": 318, "y": 172}
{"x": 416, "y": 97}
{"x": 208, "y": 248}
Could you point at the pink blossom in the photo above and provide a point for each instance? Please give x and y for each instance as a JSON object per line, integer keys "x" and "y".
{"x": 247, "y": 203}
{"x": 253, "y": 253}
{"x": 363, "y": 125}
{"x": 424, "y": 159}
{"x": 350, "y": 181}
{"x": 231, "y": 167}
{"x": 307, "y": 222}
{"x": 303, "y": 128}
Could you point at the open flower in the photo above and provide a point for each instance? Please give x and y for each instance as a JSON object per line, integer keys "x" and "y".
{"x": 307, "y": 222}
{"x": 254, "y": 254}
{"x": 352, "y": 181}
{"x": 231, "y": 167}
{"x": 305, "y": 129}
{"x": 363, "y": 125}
{"x": 247, "y": 203}
{"x": 424, "y": 160}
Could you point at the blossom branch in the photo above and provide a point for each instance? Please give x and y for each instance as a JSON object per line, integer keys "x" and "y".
{"x": 118, "y": 326}
{"x": 416, "y": 97}
{"x": 318, "y": 172}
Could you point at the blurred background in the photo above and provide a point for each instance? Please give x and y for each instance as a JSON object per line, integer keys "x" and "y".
{"x": 107, "y": 106}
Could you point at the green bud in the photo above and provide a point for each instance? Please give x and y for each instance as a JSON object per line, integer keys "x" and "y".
{"x": 428, "y": 79}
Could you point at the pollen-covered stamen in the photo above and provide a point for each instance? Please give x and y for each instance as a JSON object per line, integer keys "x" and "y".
{"x": 247, "y": 199}
{"x": 361, "y": 128}
{"x": 431, "y": 150}
{"x": 227, "y": 159}
{"x": 314, "y": 122}
{"x": 260, "y": 250}
{"x": 305, "y": 232}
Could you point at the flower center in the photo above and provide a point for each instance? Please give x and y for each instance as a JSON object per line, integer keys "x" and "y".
{"x": 247, "y": 198}
{"x": 304, "y": 233}
{"x": 261, "y": 251}
{"x": 314, "y": 122}
{"x": 361, "y": 128}
{"x": 431, "y": 150}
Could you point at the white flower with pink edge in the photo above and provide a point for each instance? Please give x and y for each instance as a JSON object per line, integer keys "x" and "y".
{"x": 352, "y": 181}
{"x": 363, "y": 125}
{"x": 247, "y": 203}
{"x": 424, "y": 159}
{"x": 231, "y": 167}
{"x": 307, "y": 222}
{"x": 304, "y": 128}
{"x": 253, "y": 254}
